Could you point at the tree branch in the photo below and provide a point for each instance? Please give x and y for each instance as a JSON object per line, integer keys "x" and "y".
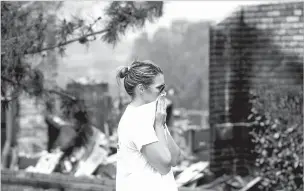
{"x": 10, "y": 97}
{"x": 68, "y": 42}
{"x": 62, "y": 94}
{"x": 45, "y": 90}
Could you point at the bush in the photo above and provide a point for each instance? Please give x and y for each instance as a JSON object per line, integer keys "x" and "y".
{"x": 277, "y": 134}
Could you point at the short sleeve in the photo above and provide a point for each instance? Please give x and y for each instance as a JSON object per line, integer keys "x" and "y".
{"x": 144, "y": 133}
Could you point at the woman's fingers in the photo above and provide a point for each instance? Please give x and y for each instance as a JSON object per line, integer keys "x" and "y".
{"x": 163, "y": 106}
{"x": 160, "y": 103}
{"x": 158, "y": 108}
{"x": 161, "y": 110}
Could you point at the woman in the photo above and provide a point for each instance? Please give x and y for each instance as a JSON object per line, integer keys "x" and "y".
{"x": 146, "y": 151}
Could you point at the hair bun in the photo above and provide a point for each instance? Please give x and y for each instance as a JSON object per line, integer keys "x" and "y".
{"x": 123, "y": 72}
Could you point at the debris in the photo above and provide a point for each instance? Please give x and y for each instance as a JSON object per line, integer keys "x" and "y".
{"x": 106, "y": 170}
{"x": 97, "y": 156}
{"x": 251, "y": 184}
{"x": 216, "y": 182}
{"x": 111, "y": 159}
{"x": 47, "y": 163}
{"x": 240, "y": 180}
{"x": 25, "y": 161}
{"x": 192, "y": 173}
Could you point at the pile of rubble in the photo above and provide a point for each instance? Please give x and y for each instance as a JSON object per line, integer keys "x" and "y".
{"x": 197, "y": 176}
{"x": 98, "y": 159}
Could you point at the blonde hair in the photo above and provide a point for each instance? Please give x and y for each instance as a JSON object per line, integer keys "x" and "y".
{"x": 139, "y": 72}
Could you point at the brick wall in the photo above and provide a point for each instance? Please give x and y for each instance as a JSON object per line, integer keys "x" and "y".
{"x": 32, "y": 135}
{"x": 255, "y": 45}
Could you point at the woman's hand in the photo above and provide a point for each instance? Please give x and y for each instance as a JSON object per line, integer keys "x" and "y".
{"x": 160, "y": 114}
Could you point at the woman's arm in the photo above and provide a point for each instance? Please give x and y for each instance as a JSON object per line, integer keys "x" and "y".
{"x": 173, "y": 148}
{"x": 157, "y": 153}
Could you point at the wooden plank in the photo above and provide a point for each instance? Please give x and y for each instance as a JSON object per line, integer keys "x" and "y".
{"x": 7, "y": 187}
{"x": 251, "y": 184}
{"x": 55, "y": 185}
{"x": 56, "y": 177}
{"x": 216, "y": 182}
{"x": 191, "y": 173}
{"x": 193, "y": 189}
{"x": 56, "y": 180}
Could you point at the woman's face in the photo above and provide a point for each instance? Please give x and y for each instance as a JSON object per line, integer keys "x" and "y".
{"x": 154, "y": 90}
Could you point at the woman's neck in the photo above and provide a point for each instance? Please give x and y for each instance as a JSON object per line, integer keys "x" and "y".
{"x": 137, "y": 102}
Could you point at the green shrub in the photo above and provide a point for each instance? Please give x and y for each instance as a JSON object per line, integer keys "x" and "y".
{"x": 277, "y": 133}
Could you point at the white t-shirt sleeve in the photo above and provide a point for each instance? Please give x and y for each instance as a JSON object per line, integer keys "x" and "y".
{"x": 144, "y": 133}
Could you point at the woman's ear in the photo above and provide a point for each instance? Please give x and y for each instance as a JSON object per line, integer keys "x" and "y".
{"x": 141, "y": 88}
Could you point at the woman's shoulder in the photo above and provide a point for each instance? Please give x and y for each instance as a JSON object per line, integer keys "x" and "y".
{"x": 149, "y": 107}
{"x": 143, "y": 115}
{"x": 147, "y": 110}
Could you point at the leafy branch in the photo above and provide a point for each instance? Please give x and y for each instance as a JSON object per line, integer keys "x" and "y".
{"x": 31, "y": 28}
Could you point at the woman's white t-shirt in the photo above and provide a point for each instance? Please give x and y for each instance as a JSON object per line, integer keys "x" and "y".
{"x": 134, "y": 173}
